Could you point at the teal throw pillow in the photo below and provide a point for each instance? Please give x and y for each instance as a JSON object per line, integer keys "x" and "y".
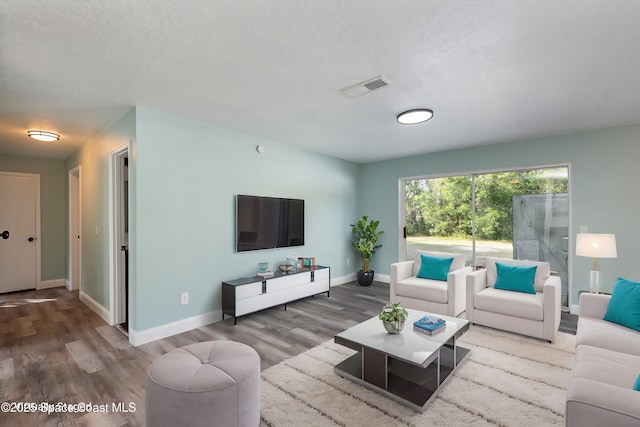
{"x": 636, "y": 386}
{"x": 624, "y": 306}
{"x": 434, "y": 267}
{"x": 518, "y": 278}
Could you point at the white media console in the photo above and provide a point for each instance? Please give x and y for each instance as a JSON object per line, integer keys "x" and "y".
{"x": 251, "y": 294}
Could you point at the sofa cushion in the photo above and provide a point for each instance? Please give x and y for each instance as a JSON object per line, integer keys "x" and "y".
{"x": 434, "y": 267}
{"x": 605, "y": 366}
{"x": 424, "y": 289}
{"x": 624, "y": 306}
{"x": 518, "y": 278}
{"x": 516, "y": 304}
{"x": 542, "y": 272}
{"x": 607, "y": 335}
{"x": 636, "y": 385}
{"x": 457, "y": 264}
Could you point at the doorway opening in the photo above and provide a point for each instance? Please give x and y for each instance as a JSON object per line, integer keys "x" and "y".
{"x": 19, "y": 231}
{"x": 119, "y": 236}
{"x": 75, "y": 225}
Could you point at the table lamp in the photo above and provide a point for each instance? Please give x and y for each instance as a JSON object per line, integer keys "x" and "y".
{"x": 596, "y": 246}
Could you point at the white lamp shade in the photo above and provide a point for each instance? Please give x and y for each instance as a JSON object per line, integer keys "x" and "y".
{"x": 596, "y": 245}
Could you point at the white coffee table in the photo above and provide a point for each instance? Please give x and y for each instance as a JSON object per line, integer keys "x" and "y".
{"x": 408, "y": 367}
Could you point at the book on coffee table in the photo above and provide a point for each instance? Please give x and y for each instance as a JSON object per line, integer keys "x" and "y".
{"x": 430, "y": 332}
{"x": 429, "y": 323}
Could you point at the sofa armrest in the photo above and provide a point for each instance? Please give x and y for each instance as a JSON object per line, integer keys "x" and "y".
{"x": 593, "y": 305}
{"x": 399, "y": 271}
{"x": 592, "y": 403}
{"x": 476, "y": 281}
{"x": 551, "y": 307}
{"x": 457, "y": 290}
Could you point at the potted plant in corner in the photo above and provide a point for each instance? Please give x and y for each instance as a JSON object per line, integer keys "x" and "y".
{"x": 393, "y": 317}
{"x": 367, "y": 236}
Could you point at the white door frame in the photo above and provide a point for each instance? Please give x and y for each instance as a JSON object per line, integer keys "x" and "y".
{"x": 75, "y": 230}
{"x": 37, "y": 236}
{"x": 118, "y": 309}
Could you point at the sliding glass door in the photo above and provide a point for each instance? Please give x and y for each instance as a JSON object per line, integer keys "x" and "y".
{"x": 519, "y": 214}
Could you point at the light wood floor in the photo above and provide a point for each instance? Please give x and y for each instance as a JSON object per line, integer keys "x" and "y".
{"x": 53, "y": 349}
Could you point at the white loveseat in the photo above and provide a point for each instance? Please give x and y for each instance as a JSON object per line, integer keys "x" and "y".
{"x": 606, "y": 364}
{"x": 536, "y": 315}
{"x": 434, "y": 296}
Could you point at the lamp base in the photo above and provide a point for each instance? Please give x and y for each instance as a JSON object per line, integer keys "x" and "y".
{"x": 595, "y": 281}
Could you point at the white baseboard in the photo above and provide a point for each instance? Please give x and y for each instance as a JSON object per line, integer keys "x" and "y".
{"x": 137, "y": 338}
{"x": 385, "y": 278}
{"x": 574, "y": 309}
{"x": 55, "y": 283}
{"x": 95, "y": 306}
{"x": 337, "y": 281}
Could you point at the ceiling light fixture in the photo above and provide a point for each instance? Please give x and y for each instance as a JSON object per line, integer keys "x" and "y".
{"x": 411, "y": 117}
{"x": 41, "y": 135}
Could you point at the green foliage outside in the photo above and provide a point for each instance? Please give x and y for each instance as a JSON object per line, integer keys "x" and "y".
{"x": 442, "y": 206}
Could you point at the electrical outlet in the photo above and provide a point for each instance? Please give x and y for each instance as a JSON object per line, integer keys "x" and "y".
{"x": 583, "y": 229}
{"x": 348, "y": 261}
{"x": 184, "y": 298}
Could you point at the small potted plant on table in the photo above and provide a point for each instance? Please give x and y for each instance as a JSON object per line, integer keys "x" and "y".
{"x": 367, "y": 236}
{"x": 393, "y": 317}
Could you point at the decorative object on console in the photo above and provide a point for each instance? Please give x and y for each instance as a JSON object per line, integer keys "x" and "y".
{"x": 306, "y": 263}
{"x": 264, "y": 270}
{"x": 285, "y": 268}
{"x": 294, "y": 262}
{"x": 367, "y": 236}
{"x": 596, "y": 246}
{"x": 393, "y": 317}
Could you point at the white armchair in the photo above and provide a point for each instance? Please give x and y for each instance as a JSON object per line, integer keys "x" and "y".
{"x": 536, "y": 315}
{"x": 434, "y": 296}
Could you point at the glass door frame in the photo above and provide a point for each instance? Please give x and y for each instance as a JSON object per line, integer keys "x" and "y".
{"x": 402, "y": 246}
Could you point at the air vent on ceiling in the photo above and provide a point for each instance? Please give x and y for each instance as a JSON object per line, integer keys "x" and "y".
{"x": 366, "y": 87}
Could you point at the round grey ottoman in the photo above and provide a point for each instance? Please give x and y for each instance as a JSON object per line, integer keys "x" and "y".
{"x": 204, "y": 384}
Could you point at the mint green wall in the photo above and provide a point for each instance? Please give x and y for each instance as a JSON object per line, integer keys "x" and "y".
{"x": 93, "y": 158}
{"x": 604, "y": 190}
{"x": 52, "y": 210}
{"x": 186, "y": 176}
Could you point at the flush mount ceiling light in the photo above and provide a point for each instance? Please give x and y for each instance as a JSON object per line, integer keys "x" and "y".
{"x": 411, "y": 117}
{"x": 41, "y": 135}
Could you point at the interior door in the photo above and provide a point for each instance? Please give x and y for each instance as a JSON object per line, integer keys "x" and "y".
{"x": 17, "y": 232}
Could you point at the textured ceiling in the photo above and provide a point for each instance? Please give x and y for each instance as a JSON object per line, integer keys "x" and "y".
{"x": 491, "y": 70}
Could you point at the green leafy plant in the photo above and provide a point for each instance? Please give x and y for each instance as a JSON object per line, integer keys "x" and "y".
{"x": 393, "y": 313}
{"x": 367, "y": 236}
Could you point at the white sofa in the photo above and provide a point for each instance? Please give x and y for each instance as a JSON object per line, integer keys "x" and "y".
{"x": 536, "y": 315}
{"x": 434, "y": 296}
{"x": 606, "y": 365}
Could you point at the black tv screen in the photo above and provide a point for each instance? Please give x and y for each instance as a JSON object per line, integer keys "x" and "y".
{"x": 268, "y": 222}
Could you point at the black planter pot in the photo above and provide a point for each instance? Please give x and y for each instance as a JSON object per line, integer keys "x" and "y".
{"x": 365, "y": 278}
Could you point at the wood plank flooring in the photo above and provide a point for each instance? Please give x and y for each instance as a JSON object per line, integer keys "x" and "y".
{"x": 53, "y": 349}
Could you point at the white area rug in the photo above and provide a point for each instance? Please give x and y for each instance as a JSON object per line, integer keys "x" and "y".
{"x": 506, "y": 380}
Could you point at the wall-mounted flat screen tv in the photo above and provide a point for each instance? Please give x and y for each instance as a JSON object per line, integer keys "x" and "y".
{"x": 268, "y": 222}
